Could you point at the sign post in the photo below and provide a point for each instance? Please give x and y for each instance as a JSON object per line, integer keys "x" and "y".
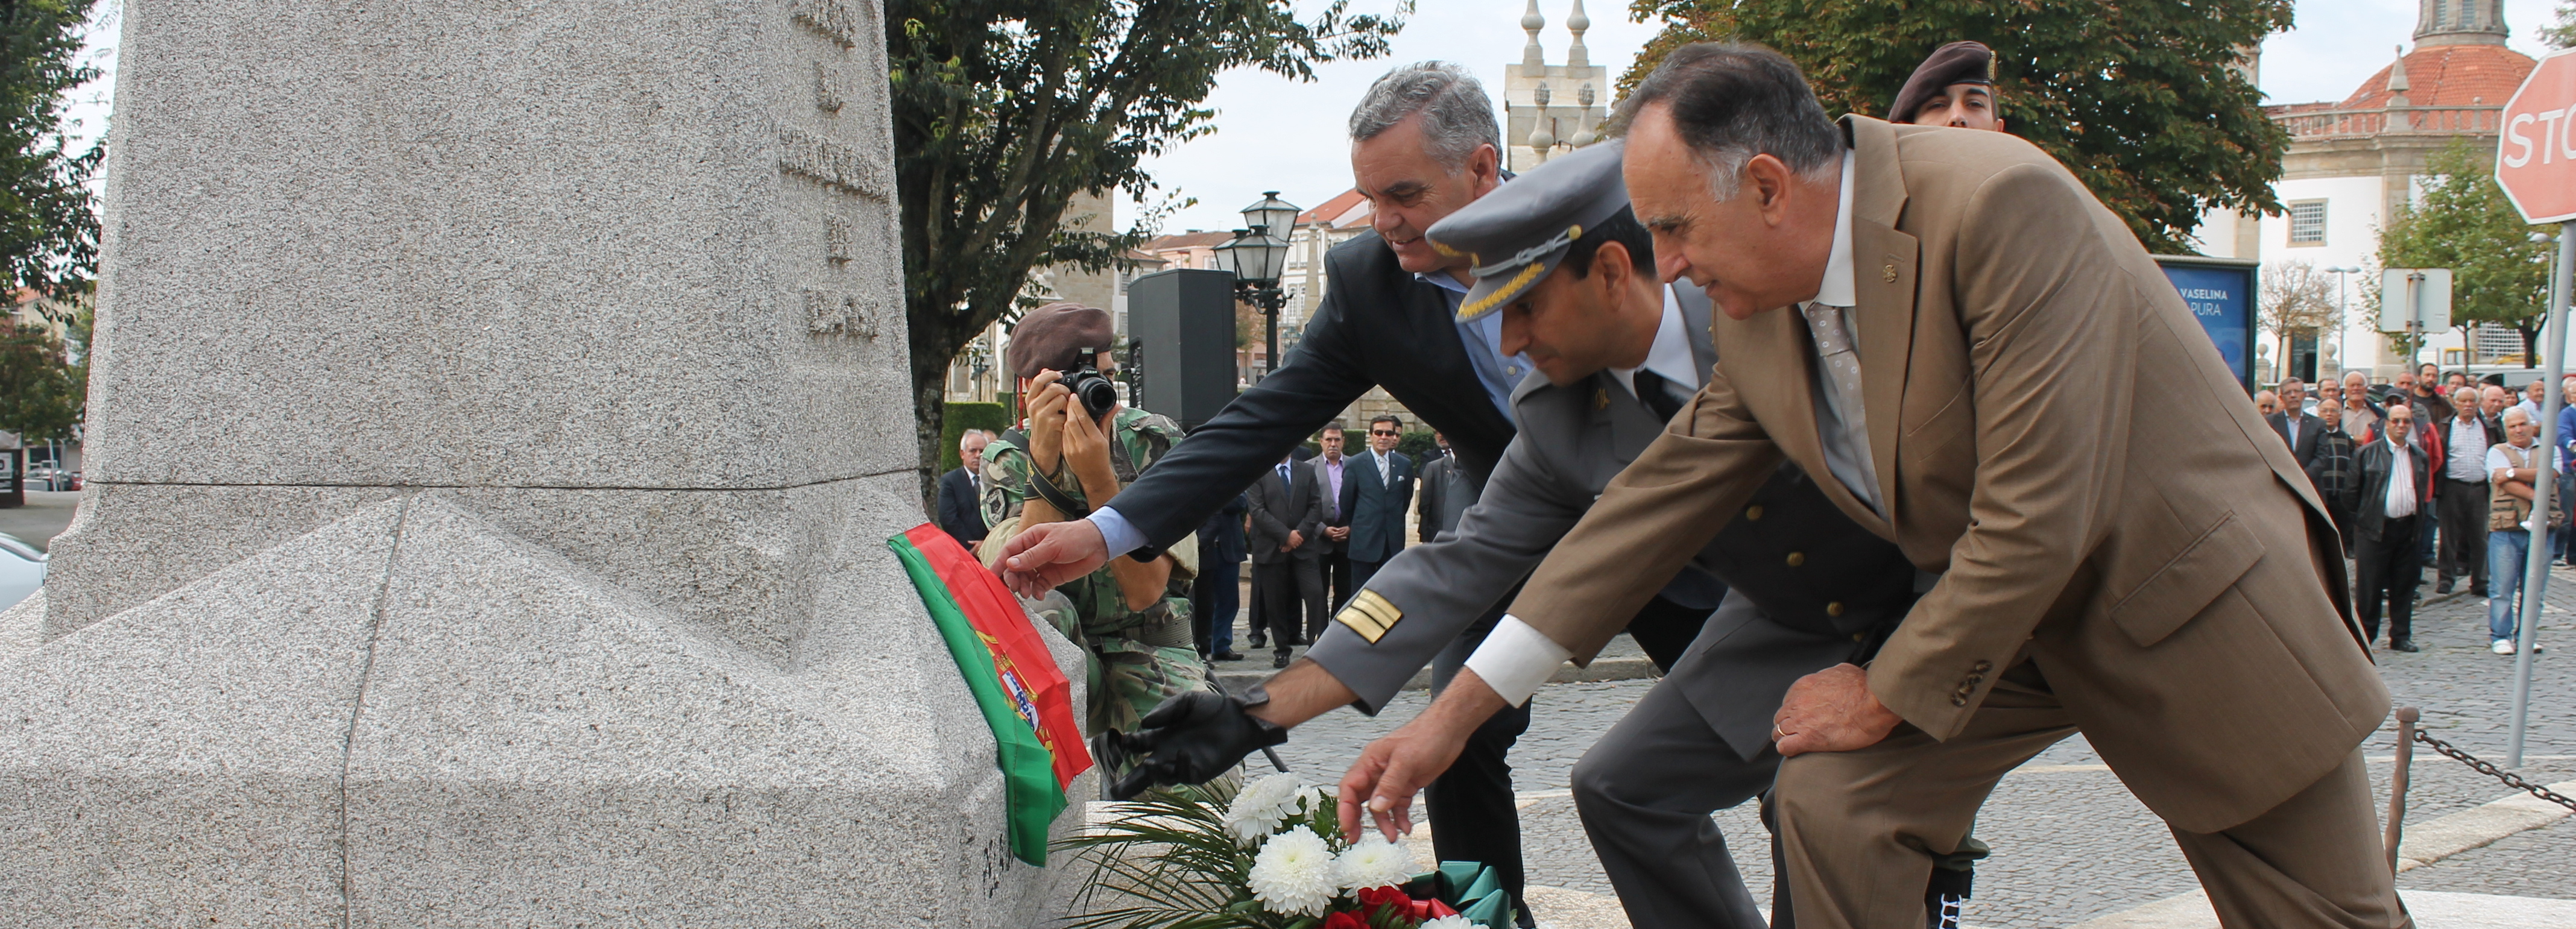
{"x": 2536, "y": 166}
{"x": 2417, "y": 300}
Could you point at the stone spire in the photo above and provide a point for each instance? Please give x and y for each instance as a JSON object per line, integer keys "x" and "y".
{"x": 1576, "y": 22}
{"x": 1532, "y": 56}
{"x": 2460, "y": 22}
{"x": 2397, "y": 85}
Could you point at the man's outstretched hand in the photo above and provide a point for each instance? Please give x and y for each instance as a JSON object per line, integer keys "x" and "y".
{"x": 1048, "y": 554}
{"x": 1399, "y": 764}
{"x": 1190, "y": 739}
{"x": 1831, "y": 711}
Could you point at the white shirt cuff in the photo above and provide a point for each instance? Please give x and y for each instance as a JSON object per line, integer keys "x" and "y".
{"x": 1114, "y": 530}
{"x": 1515, "y": 659}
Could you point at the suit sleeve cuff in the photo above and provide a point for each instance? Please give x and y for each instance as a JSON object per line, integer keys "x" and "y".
{"x": 1515, "y": 659}
{"x": 1115, "y": 531}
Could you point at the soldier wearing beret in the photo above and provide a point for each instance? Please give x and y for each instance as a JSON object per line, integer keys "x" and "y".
{"x": 1953, "y": 87}
{"x": 1132, "y": 616}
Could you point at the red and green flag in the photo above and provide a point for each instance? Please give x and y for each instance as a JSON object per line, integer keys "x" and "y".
{"x": 1025, "y": 699}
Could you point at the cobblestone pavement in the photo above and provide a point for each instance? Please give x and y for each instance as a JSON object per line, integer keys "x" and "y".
{"x": 2071, "y": 843}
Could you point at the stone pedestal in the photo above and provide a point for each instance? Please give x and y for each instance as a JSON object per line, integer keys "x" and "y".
{"x": 497, "y": 415}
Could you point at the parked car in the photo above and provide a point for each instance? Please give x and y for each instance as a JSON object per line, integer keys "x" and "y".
{"x": 22, "y": 570}
{"x": 50, "y": 476}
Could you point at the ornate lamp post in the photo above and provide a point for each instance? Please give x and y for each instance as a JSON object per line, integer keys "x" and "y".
{"x": 1256, "y": 256}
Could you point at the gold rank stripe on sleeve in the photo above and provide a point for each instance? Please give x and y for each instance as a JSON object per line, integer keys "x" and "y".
{"x": 1369, "y": 615}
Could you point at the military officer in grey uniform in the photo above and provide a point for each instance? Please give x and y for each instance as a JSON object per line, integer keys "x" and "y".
{"x": 1617, "y": 354}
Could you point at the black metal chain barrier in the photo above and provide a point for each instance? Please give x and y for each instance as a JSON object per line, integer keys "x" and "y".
{"x": 2489, "y": 770}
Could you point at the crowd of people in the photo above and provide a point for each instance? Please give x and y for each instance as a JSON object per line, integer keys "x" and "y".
{"x": 2469, "y": 459}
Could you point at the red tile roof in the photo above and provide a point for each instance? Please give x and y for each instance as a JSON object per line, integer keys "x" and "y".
{"x": 1193, "y": 239}
{"x": 2450, "y": 75}
{"x": 1336, "y": 210}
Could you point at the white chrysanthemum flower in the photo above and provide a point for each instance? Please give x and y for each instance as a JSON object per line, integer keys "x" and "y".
{"x": 1262, "y": 805}
{"x": 1261, "y": 809}
{"x": 1294, "y": 874}
{"x": 1374, "y": 862}
{"x": 1449, "y": 922}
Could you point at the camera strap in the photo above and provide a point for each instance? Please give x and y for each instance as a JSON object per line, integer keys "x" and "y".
{"x": 1062, "y": 502}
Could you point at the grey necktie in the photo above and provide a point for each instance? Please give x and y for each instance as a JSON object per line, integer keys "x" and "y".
{"x": 1841, "y": 368}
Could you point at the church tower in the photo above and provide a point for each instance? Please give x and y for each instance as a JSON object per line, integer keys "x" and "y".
{"x": 2460, "y": 22}
{"x": 1550, "y": 109}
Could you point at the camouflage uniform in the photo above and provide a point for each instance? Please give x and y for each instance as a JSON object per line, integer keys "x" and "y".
{"x": 1139, "y": 657}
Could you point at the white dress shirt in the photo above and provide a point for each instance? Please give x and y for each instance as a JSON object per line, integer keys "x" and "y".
{"x": 1515, "y": 659}
{"x": 2467, "y": 451}
{"x": 1670, "y": 358}
{"x": 2400, "y": 501}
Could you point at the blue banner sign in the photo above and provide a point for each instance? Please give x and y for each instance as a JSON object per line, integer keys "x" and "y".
{"x": 2220, "y": 292}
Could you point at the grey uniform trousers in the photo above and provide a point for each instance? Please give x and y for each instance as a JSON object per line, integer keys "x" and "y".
{"x": 1645, "y": 792}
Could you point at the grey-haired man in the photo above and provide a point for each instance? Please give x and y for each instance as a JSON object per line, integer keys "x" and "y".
{"x": 1424, "y": 142}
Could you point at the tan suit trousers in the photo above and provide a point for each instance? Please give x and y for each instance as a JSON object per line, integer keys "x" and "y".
{"x": 1856, "y": 827}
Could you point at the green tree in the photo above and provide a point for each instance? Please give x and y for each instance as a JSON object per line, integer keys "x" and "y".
{"x": 2138, "y": 99}
{"x": 43, "y": 390}
{"x": 2561, "y": 32}
{"x": 2464, "y": 223}
{"x": 1006, "y": 110}
{"x": 48, "y": 231}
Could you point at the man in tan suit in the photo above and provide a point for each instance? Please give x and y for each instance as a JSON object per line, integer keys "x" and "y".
{"x": 1953, "y": 329}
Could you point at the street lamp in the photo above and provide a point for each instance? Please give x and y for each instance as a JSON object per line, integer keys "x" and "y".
{"x": 1257, "y": 256}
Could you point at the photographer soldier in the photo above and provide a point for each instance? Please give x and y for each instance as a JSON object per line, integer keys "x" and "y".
{"x": 1083, "y": 445}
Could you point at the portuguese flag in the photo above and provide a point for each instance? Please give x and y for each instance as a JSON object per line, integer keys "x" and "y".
{"x": 1015, "y": 681}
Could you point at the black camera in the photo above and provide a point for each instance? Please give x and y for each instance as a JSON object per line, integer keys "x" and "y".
{"x": 1093, "y": 388}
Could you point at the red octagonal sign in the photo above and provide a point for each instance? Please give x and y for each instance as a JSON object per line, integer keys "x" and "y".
{"x": 2536, "y": 157}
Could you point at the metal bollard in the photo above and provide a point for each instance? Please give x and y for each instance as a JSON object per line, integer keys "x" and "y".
{"x": 2406, "y": 717}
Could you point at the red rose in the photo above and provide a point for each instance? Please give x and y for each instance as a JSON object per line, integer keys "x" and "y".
{"x": 1372, "y": 898}
{"x": 1344, "y": 921}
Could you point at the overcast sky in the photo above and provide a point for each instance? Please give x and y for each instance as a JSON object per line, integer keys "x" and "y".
{"x": 1276, "y": 134}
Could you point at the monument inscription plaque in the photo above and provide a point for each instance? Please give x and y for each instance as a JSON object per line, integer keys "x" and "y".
{"x": 494, "y": 433}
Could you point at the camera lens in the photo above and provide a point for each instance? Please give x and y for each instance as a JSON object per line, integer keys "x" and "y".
{"x": 1097, "y": 394}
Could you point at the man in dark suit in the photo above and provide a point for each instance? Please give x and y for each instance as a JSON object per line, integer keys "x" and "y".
{"x": 2388, "y": 514}
{"x": 2298, "y": 429}
{"x": 1424, "y": 143}
{"x": 1216, "y": 595}
{"x": 2336, "y": 470}
{"x": 961, "y": 514}
{"x": 1379, "y": 490}
{"x": 1445, "y": 495}
{"x": 1333, "y": 488}
{"x": 1287, "y": 518}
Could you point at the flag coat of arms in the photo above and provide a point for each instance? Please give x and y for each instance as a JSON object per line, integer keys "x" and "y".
{"x": 1024, "y": 697}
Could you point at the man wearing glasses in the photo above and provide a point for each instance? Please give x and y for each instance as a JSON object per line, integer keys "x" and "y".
{"x": 1376, "y": 494}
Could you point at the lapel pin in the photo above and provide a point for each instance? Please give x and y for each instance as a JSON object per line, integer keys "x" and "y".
{"x": 1600, "y": 398}
{"x": 1887, "y": 274}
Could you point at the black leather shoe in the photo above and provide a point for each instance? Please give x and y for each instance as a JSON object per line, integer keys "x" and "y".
{"x": 2442, "y": 586}
{"x": 1279, "y": 660}
{"x": 1229, "y": 656}
{"x": 1259, "y": 643}
{"x": 2402, "y": 645}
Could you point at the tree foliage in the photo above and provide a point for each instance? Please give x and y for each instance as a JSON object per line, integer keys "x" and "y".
{"x": 2138, "y": 99}
{"x": 48, "y": 231}
{"x": 2561, "y": 31}
{"x": 2463, "y": 222}
{"x": 44, "y": 378}
{"x": 1006, "y": 110}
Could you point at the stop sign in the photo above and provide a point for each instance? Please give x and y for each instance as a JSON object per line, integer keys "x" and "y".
{"x": 2536, "y": 157}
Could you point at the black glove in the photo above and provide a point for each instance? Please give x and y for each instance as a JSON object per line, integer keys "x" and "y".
{"x": 1190, "y": 739}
